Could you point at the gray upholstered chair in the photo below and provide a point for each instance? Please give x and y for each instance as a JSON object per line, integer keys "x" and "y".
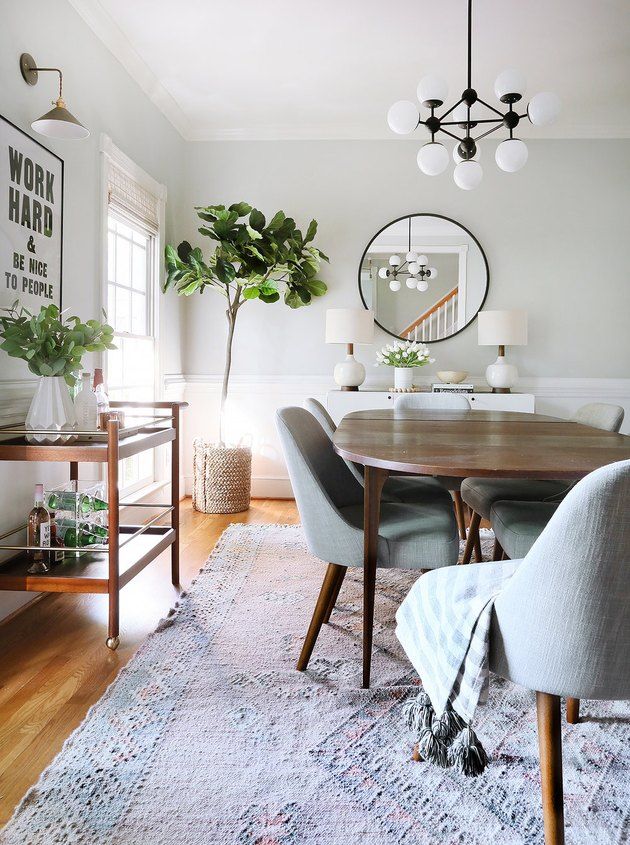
{"x": 330, "y": 502}
{"x": 517, "y": 525}
{"x": 561, "y": 626}
{"x": 410, "y": 489}
{"x": 481, "y": 493}
{"x": 443, "y": 401}
{"x": 431, "y": 401}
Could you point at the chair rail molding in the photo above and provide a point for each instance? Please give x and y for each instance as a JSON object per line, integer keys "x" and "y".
{"x": 255, "y": 398}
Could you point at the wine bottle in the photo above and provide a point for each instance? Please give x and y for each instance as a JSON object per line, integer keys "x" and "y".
{"x": 66, "y": 500}
{"x": 87, "y": 527}
{"x": 38, "y": 533}
{"x": 73, "y": 538}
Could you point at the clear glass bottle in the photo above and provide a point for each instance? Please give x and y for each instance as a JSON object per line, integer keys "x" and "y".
{"x": 38, "y": 533}
{"x": 102, "y": 399}
{"x": 85, "y": 405}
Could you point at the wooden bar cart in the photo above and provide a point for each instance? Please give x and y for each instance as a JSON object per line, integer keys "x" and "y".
{"x": 130, "y": 547}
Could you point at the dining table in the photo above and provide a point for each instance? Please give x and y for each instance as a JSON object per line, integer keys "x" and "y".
{"x": 461, "y": 444}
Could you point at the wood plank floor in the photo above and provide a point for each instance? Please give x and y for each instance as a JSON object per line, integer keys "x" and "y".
{"x": 55, "y": 665}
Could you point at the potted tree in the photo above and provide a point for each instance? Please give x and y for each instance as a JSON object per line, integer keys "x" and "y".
{"x": 252, "y": 259}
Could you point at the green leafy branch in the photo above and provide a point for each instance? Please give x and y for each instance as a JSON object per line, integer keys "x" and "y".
{"x": 51, "y": 344}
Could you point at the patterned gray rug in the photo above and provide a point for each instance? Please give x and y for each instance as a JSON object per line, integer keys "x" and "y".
{"x": 210, "y": 736}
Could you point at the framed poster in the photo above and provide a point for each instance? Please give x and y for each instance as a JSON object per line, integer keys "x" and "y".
{"x": 31, "y": 220}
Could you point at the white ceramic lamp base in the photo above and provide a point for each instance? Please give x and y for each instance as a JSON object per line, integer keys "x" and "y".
{"x": 349, "y": 374}
{"x": 501, "y": 376}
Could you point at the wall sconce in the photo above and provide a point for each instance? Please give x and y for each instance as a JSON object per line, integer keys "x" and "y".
{"x": 58, "y": 122}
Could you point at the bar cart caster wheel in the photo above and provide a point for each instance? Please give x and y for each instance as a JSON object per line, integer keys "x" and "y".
{"x": 112, "y": 643}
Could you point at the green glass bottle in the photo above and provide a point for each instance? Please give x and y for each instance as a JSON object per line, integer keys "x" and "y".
{"x": 85, "y": 527}
{"x": 73, "y": 539}
{"x": 64, "y": 500}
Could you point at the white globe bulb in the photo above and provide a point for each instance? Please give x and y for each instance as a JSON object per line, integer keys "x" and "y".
{"x": 459, "y": 114}
{"x": 433, "y": 158}
{"x": 414, "y": 268}
{"x": 411, "y": 256}
{"x": 467, "y": 174}
{"x": 403, "y": 117}
{"x": 511, "y": 155}
{"x": 422, "y": 285}
{"x": 383, "y": 273}
{"x": 394, "y": 285}
{"x": 433, "y": 273}
{"x": 411, "y": 283}
{"x": 432, "y": 87}
{"x": 423, "y": 260}
{"x": 544, "y": 108}
{"x": 394, "y": 260}
{"x": 510, "y": 81}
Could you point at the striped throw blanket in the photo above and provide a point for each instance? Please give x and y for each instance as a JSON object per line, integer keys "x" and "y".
{"x": 444, "y": 626}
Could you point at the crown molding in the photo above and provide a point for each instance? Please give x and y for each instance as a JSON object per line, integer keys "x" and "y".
{"x": 107, "y": 30}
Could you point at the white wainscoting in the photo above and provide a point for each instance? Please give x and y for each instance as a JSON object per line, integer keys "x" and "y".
{"x": 254, "y": 400}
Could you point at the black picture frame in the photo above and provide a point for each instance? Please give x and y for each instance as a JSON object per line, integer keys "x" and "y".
{"x": 61, "y": 162}
{"x": 441, "y": 217}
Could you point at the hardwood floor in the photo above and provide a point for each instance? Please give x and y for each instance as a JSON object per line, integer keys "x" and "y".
{"x": 55, "y": 664}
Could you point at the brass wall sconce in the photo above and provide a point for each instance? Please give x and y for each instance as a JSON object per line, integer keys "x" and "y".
{"x": 58, "y": 122}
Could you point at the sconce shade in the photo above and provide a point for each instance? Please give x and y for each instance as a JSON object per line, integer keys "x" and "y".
{"x": 349, "y": 325}
{"x": 502, "y": 328}
{"x": 59, "y": 123}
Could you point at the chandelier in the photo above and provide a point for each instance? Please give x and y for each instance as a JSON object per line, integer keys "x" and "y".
{"x": 511, "y": 154}
{"x": 414, "y": 267}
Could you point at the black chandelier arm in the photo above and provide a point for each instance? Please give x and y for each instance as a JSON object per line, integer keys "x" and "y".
{"x": 485, "y": 120}
{"x": 492, "y": 108}
{"x": 450, "y": 134}
{"x": 489, "y": 132}
{"x": 452, "y": 108}
{"x": 469, "y": 46}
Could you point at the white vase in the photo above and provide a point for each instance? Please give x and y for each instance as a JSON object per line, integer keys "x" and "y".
{"x": 51, "y": 410}
{"x": 403, "y": 378}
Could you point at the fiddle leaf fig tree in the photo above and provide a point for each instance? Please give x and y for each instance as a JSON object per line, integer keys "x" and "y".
{"x": 252, "y": 259}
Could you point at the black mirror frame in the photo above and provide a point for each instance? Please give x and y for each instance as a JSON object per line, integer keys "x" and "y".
{"x": 449, "y": 220}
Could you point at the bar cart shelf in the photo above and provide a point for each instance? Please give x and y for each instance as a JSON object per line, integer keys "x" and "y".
{"x": 107, "y": 570}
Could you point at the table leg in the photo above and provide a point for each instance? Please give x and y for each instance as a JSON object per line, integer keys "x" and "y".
{"x": 113, "y": 522}
{"x": 74, "y": 471}
{"x": 374, "y": 480}
{"x": 175, "y": 497}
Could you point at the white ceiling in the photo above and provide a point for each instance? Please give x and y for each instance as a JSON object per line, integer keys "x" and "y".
{"x": 276, "y": 69}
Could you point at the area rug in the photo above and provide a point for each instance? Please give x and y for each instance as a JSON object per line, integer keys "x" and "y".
{"x": 209, "y": 735}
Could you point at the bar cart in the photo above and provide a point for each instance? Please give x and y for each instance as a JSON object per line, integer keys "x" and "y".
{"x": 130, "y": 547}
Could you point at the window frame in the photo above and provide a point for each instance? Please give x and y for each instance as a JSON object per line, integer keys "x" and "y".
{"x": 112, "y": 156}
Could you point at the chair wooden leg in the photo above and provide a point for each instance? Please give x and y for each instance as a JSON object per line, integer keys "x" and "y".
{"x": 573, "y": 710}
{"x": 459, "y": 514}
{"x": 374, "y": 480}
{"x": 335, "y": 593}
{"x": 323, "y": 600}
{"x": 550, "y": 750}
{"x": 473, "y": 532}
{"x": 497, "y": 552}
{"x": 504, "y": 555}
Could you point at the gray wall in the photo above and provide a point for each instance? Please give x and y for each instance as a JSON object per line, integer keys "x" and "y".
{"x": 556, "y": 237}
{"x": 102, "y": 95}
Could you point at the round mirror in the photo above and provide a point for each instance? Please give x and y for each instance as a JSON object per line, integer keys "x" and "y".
{"x": 424, "y": 276}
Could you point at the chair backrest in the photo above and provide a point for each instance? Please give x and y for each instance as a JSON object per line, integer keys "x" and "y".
{"x": 321, "y": 481}
{"x": 328, "y": 424}
{"x": 600, "y": 415}
{"x": 564, "y": 617}
{"x": 430, "y": 401}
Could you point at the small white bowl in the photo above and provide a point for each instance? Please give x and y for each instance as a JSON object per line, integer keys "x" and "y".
{"x": 452, "y": 376}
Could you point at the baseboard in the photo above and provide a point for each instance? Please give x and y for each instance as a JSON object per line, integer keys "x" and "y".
{"x": 262, "y": 487}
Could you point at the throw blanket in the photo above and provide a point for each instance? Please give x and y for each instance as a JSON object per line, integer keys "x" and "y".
{"x": 444, "y": 626}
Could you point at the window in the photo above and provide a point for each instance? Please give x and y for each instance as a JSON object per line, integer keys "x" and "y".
{"x": 131, "y": 299}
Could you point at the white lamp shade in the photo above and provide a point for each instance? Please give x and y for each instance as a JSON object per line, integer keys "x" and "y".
{"x": 412, "y": 256}
{"x": 510, "y": 81}
{"x": 403, "y": 117}
{"x": 511, "y": 155}
{"x": 394, "y": 260}
{"x": 59, "y": 123}
{"x": 414, "y": 268}
{"x": 411, "y": 283}
{"x": 422, "y": 285}
{"x": 383, "y": 273}
{"x": 423, "y": 260}
{"x": 433, "y": 273}
{"x": 395, "y": 285}
{"x": 349, "y": 325}
{"x": 468, "y": 174}
{"x": 460, "y": 113}
{"x": 433, "y": 158}
{"x": 502, "y": 328}
{"x": 544, "y": 108}
{"x": 432, "y": 87}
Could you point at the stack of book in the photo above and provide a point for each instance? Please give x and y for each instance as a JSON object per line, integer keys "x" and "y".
{"x": 462, "y": 387}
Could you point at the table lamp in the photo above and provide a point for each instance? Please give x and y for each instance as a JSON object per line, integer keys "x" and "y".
{"x": 502, "y": 328}
{"x": 349, "y": 326}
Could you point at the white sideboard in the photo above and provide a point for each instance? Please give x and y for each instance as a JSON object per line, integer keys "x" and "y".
{"x": 342, "y": 402}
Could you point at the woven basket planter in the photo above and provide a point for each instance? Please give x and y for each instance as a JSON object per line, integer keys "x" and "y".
{"x": 222, "y": 477}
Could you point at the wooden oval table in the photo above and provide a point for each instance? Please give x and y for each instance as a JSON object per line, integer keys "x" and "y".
{"x": 460, "y": 444}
